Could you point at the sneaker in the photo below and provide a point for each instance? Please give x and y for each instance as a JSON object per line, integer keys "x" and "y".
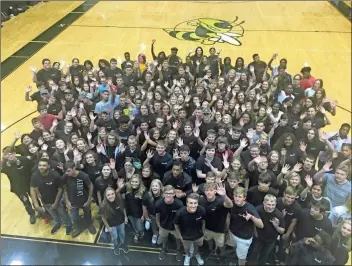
{"x": 162, "y": 254}
{"x": 92, "y": 229}
{"x": 75, "y": 233}
{"x": 187, "y": 260}
{"x": 154, "y": 239}
{"x": 124, "y": 248}
{"x": 32, "y": 219}
{"x": 199, "y": 259}
{"x": 116, "y": 250}
{"x": 68, "y": 230}
{"x": 55, "y": 229}
{"x": 179, "y": 255}
{"x": 135, "y": 239}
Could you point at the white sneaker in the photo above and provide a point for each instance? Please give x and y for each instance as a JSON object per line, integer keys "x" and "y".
{"x": 154, "y": 239}
{"x": 199, "y": 259}
{"x": 187, "y": 260}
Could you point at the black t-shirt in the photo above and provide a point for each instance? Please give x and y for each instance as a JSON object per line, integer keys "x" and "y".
{"x": 109, "y": 124}
{"x": 200, "y": 165}
{"x": 101, "y": 184}
{"x": 246, "y": 157}
{"x": 149, "y": 202}
{"x": 78, "y": 188}
{"x": 293, "y": 155}
{"x": 292, "y": 211}
{"x": 315, "y": 148}
{"x": 52, "y": 73}
{"x": 204, "y": 127}
{"x": 256, "y": 197}
{"x": 303, "y": 173}
{"x": 192, "y": 143}
{"x": 161, "y": 164}
{"x": 215, "y": 214}
{"x": 308, "y": 226}
{"x": 54, "y": 109}
{"x": 167, "y": 212}
{"x": 117, "y": 217}
{"x": 254, "y": 177}
{"x": 239, "y": 226}
{"x": 269, "y": 234}
{"x": 92, "y": 171}
{"x": 190, "y": 223}
{"x": 112, "y": 73}
{"x": 48, "y": 185}
{"x": 133, "y": 203}
{"x": 124, "y": 135}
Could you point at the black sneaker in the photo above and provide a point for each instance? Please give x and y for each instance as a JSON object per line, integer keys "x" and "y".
{"x": 162, "y": 254}
{"x": 55, "y": 229}
{"x": 124, "y": 248}
{"x": 75, "y": 233}
{"x": 116, "y": 250}
{"x": 179, "y": 255}
{"x": 32, "y": 219}
{"x": 68, "y": 230}
{"x": 92, "y": 229}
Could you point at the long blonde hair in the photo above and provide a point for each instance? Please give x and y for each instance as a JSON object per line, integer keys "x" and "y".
{"x": 337, "y": 233}
{"x": 150, "y": 192}
{"x": 141, "y": 188}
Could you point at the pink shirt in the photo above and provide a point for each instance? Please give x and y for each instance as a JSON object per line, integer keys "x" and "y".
{"x": 47, "y": 121}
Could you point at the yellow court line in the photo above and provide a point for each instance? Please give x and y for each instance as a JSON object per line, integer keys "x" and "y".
{"x": 19, "y": 56}
{"x": 81, "y": 245}
{"x": 39, "y": 41}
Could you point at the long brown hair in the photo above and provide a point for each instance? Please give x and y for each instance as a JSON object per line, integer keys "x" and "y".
{"x": 105, "y": 206}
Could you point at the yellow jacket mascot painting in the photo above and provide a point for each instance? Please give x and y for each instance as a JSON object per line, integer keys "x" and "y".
{"x": 208, "y": 31}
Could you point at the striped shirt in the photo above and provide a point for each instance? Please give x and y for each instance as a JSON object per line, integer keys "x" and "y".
{"x": 337, "y": 193}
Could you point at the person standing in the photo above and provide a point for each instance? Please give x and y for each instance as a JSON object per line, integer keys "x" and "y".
{"x": 216, "y": 216}
{"x": 48, "y": 183}
{"x": 114, "y": 218}
{"x": 274, "y": 224}
{"x": 78, "y": 191}
{"x": 18, "y": 171}
{"x": 165, "y": 211}
{"x": 190, "y": 227}
{"x": 244, "y": 218}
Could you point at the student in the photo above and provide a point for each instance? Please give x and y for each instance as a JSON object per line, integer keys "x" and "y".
{"x": 190, "y": 226}
{"x": 244, "y": 218}
{"x": 311, "y": 221}
{"x": 48, "y": 184}
{"x": 341, "y": 243}
{"x": 291, "y": 211}
{"x": 274, "y": 225}
{"x": 256, "y": 194}
{"x": 311, "y": 251}
{"x": 18, "y": 171}
{"x": 78, "y": 192}
{"x": 165, "y": 211}
{"x": 217, "y": 205}
{"x": 208, "y": 162}
{"x": 114, "y": 218}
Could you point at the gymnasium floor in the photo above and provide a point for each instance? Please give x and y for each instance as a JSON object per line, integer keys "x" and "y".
{"x": 312, "y": 32}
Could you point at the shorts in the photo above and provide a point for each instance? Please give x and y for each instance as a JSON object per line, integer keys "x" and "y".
{"x": 219, "y": 238}
{"x": 242, "y": 245}
{"x": 164, "y": 233}
{"x": 187, "y": 244}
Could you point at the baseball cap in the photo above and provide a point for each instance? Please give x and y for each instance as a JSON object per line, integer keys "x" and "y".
{"x": 44, "y": 91}
{"x": 206, "y": 111}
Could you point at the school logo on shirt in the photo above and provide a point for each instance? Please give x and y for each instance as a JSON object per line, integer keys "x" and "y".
{"x": 49, "y": 184}
{"x": 319, "y": 261}
{"x": 198, "y": 218}
{"x": 319, "y": 229}
{"x": 208, "y": 31}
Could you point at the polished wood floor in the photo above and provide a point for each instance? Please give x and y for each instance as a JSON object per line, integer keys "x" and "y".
{"x": 312, "y": 32}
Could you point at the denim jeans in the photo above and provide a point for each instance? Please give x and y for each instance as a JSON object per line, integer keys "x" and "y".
{"x": 74, "y": 214}
{"x": 136, "y": 224}
{"x": 118, "y": 234}
{"x": 59, "y": 214}
{"x": 259, "y": 252}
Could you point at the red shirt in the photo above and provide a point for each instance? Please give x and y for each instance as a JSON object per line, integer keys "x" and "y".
{"x": 47, "y": 121}
{"x": 307, "y": 83}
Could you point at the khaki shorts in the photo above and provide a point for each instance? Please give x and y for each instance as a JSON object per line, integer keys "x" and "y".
{"x": 188, "y": 243}
{"x": 164, "y": 233}
{"x": 219, "y": 238}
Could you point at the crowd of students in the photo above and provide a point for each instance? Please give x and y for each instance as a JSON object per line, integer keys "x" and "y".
{"x": 203, "y": 149}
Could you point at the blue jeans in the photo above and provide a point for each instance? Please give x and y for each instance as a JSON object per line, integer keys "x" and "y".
{"x": 118, "y": 234}
{"x": 136, "y": 224}
{"x": 59, "y": 214}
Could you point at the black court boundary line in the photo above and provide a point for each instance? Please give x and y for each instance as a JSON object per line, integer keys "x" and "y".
{"x": 89, "y": 4}
{"x": 340, "y": 6}
{"x": 161, "y": 28}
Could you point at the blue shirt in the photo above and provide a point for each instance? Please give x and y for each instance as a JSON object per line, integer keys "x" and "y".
{"x": 107, "y": 106}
